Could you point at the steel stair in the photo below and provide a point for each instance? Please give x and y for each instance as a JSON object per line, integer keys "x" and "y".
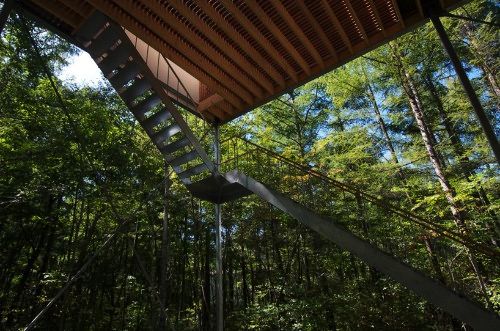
{"x": 153, "y": 107}
{"x": 146, "y": 97}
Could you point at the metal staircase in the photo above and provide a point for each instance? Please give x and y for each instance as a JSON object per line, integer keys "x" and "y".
{"x": 152, "y": 103}
{"x": 298, "y": 190}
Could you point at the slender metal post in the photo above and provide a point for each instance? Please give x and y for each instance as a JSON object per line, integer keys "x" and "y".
{"x": 218, "y": 242}
{"x": 8, "y": 5}
{"x": 459, "y": 69}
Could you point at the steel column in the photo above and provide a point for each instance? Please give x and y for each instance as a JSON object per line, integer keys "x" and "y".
{"x": 218, "y": 242}
{"x": 8, "y": 5}
{"x": 427, "y": 288}
{"x": 459, "y": 69}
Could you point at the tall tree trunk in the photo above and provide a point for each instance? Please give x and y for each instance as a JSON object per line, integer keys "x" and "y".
{"x": 244, "y": 278}
{"x": 381, "y": 122}
{"x": 164, "y": 253}
{"x": 458, "y": 149}
{"x": 206, "y": 299}
{"x": 484, "y": 59}
{"x": 418, "y": 113}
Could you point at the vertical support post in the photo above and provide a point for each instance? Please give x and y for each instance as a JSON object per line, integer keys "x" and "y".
{"x": 218, "y": 242}
{"x": 8, "y": 5}
{"x": 162, "y": 323}
{"x": 462, "y": 75}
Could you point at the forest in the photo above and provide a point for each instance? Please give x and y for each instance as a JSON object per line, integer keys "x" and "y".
{"x": 387, "y": 146}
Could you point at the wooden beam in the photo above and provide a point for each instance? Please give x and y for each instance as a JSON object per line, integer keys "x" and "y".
{"x": 258, "y": 36}
{"x": 169, "y": 51}
{"x": 228, "y": 50}
{"x": 317, "y": 28}
{"x": 285, "y": 15}
{"x": 203, "y": 47}
{"x": 337, "y": 24}
{"x": 158, "y": 25}
{"x": 420, "y": 8}
{"x": 227, "y": 108}
{"x": 209, "y": 102}
{"x": 356, "y": 20}
{"x": 276, "y": 32}
{"x": 245, "y": 45}
{"x": 214, "y": 111}
{"x": 81, "y": 7}
{"x": 398, "y": 13}
{"x": 377, "y": 16}
{"x": 62, "y": 12}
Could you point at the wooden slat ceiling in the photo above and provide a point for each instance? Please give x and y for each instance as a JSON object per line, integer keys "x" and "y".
{"x": 245, "y": 53}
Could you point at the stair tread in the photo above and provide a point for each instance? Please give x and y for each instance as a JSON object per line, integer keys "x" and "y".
{"x": 136, "y": 89}
{"x": 165, "y": 133}
{"x": 125, "y": 75}
{"x": 145, "y": 105}
{"x": 185, "y": 158}
{"x": 160, "y": 116}
{"x": 193, "y": 171}
{"x": 104, "y": 41}
{"x": 92, "y": 26}
{"x": 115, "y": 58}
{"x": 172, "y": 147}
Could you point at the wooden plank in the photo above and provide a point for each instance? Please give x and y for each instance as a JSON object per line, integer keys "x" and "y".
{"x": 377, "y": 16}
{"x": 257, "y": 35}
{"x": 232, "y": 77}
{"x": 228, "y": 49}
{"x": 245, "y": 45}
{"x": 317, "y": 28}
{"x": 216, "y": 112}
{"x": 80, "y": 7}
{"x": 337, "y": 24}
{"x": 62, "y": 12}
{"x": 169, "y": 51}
{"x": 420, "y": 8}
{"x": 285, "y": 15}
{"x": 398, "y": 13}
{"x": 202, "y": 46}
{"x": 278, "y": 34}
{"x": 356, "y": 20}
{"x": 209, "y": 102}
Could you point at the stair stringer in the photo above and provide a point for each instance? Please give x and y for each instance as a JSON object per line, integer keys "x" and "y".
{"x": 115, "y": 54}
{"x": 431, "y": 290}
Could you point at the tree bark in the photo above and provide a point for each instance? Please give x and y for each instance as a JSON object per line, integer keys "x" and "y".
{"x": 418, "y": 113}
{"x": 164, "y": 253}
{"x": 381, "y": 122}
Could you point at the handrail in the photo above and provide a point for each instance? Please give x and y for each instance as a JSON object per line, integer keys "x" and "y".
{"x": 428, "y": 224}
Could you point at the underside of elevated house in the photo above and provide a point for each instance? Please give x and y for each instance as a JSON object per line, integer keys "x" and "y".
{"x": 220, "y": 59}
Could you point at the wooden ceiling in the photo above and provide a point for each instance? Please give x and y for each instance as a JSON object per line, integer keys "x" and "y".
{"x": 245, "y": 53}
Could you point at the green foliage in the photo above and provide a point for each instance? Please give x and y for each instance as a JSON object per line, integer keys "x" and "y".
{"x": 71, "y": 172}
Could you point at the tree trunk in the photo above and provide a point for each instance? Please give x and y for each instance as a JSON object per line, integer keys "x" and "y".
{"x": 206, "y": 299}
{"x": 164, "y": 254}
{"x": 458, "y": 149}
{"x": 381, "y": 122}
{"x": 418, "y": 113}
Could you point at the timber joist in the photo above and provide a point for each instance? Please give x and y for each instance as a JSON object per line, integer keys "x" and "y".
{"x": 246, "y": 53}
